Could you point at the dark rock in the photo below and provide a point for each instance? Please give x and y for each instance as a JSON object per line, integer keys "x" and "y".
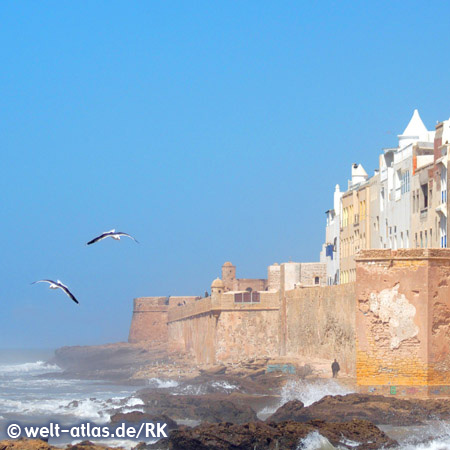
{"x": 215, "y": 370}
{"x": 73, "y": 404}
{"x": 37, "y": 444}
{"x": 272, "y": 436}
{"x": 374, "y": 408}
{"x": 137, "y": 417}
{"x": 213, "y": 408}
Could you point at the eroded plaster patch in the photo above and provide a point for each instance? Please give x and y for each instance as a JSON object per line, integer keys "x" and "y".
{"x": 395, "y": 310}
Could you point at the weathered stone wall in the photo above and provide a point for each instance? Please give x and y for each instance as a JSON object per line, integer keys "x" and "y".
{"x": 149, "y": 320}
{"x": 246, "y": 334}
{"x": 309, "y": 272}
{"x": 255, "y": 284}
{"x": 439, "y": 348}
{"x": 217, "y": 329}
{"x": 175, "y": 301}
{"x": 321, "y": 322}
{"x": 273, "y": 277}
{"x": 194, "y": 336}
{"x": 402, "y": 320}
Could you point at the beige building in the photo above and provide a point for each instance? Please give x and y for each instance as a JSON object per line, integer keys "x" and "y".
{"x": 355, "y": 233}
{"x": 429, "y": 210}
{"x": 297, "y": 275}
{"x": 231, "y": 283}
{"x": 403, "y": 205}
{"x": 424, "y": 219}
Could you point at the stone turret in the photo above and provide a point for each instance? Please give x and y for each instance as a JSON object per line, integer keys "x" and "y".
{"x": 217, "y": 286}
{"x": 229, "y": 276}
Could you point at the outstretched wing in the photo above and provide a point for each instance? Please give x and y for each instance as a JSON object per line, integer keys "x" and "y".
{"x": 121, "y": 233}
{"x": 43, "y": 281}
{"x": 99, "y": 238}
{"x": 66, "y": 290}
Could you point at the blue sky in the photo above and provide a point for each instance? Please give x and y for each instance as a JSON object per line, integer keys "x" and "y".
{"x": 211, "y": 131}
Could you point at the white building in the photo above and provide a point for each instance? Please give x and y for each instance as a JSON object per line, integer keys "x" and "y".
{"x": 396, "y": 169}
{"x": 330, "y": 249}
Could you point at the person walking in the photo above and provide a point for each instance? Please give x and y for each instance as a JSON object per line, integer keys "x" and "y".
{"x": 335, "y": 368}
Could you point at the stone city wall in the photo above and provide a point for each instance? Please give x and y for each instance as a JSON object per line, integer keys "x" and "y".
{"x": 403, "y": 312}
{"x": 320, "y": 321}
{"x": 215, "y": 328}
{"x": 149, "y": 320}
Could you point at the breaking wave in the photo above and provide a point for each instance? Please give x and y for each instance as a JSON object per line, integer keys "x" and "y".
{"x": 433, "y": 436}
{"x": 306, "y": 391}
{"x": 206, "y": 388}
{"x": 36, "y": 367}
{"x": 310, "y": 392}
{"x": 315, "y": 441}
{"x": 162, "y": 384}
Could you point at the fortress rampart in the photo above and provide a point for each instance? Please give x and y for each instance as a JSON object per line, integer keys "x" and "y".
{"x": 403, "y": 321}
{"x": 218, "y": 328}
{"x": 149, "y": 321}
{"x": 391, "y": 328}
{"x": 321, "y": 322}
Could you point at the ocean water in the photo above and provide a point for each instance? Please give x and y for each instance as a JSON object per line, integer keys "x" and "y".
{"x": 30, "y": 395}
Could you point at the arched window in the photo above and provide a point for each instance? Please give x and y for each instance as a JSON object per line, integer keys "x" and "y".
{"x": 316, "y": 280}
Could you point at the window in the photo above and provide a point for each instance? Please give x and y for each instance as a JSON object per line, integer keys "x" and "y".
{"x": 405, "y": 182}
{"x": 443, "y": 232}
{"x": 316, "y": 280}
{"x": 424, "y": 188}
{"x": 443, "y": 185}
{"x": 247, "y": 297}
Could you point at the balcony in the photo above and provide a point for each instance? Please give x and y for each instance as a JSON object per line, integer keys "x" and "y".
{"x": 442, "y": 160}
{"x": 442, "y": 209}
{"x": 423, "y": 213}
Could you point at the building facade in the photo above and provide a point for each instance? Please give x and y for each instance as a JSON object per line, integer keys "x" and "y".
{"x": 403, "y": 205}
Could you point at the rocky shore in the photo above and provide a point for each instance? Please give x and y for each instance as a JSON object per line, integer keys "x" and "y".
{"x": 228, "y": 422}
{"x": 273, "y": 436}
{"x": 223, "y": 404}
{"x": 377, "y": 409}
{"x": 37, "y": 444}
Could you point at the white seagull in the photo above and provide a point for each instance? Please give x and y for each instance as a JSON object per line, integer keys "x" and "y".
{"x": 113, "y": 234}
{"x": 58, "y": 285}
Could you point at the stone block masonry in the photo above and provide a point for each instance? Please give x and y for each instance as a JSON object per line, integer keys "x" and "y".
{"x": 149, "y": 320}
{"x": 403, "y": 321}
{"x": 391, "y": 328}
{"x": 320, "y": 322}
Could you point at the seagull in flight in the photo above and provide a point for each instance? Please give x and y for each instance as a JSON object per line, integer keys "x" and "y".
{"x": 113, "y": 234}
{"x": 58, "y": 285}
